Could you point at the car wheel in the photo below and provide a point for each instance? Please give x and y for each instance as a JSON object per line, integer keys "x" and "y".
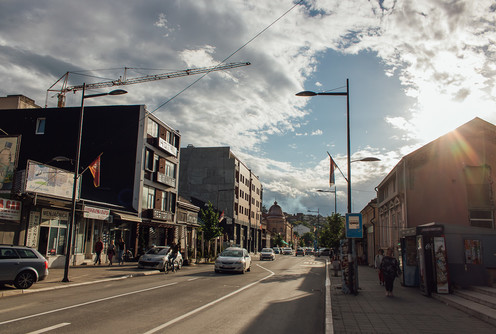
{"x": 217, "y": 271}
{"x": 249, "y": 268}
{"x": 24, "y": 280}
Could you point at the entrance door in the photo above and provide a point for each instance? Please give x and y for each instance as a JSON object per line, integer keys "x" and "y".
{"x": 43, "y": 243}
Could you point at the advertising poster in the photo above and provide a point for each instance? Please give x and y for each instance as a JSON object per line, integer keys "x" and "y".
{"x": 33, "y": 229}
{"x": 441, "y": 265}
{"x": 9, "y": 147}
{"x": 49, "y": 180}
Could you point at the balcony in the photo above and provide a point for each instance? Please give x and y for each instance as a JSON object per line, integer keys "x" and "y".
{"x": 164, "y": 145}
{"x": 165, "y": 179}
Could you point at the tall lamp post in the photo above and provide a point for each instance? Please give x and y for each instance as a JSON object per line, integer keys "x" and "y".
{"x": 77, "y": 175}
{"x": 318, "y": 223}
{"x": 351, "y": 241}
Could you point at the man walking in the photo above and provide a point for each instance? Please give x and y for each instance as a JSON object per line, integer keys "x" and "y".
{"x": 98, "y": 251}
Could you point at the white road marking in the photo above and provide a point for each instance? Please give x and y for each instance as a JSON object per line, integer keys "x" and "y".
{"x": 194, "y": 278}
{"x": 86, "y": 303}
{"x": 47, "y": 329}
{"x": 173, "y": 321}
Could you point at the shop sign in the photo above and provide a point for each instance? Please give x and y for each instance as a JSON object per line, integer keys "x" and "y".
{"x": 162, "y": 215}
{"x": 33, "y": 229}
{"x": 95, "y": 213}
{"x": 10, "y": 209}
{"x": 50, "y": 214}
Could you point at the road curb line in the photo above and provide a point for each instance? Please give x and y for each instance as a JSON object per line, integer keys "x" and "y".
{"x": 71, "y": 285}
{"x": 329, "y": 327}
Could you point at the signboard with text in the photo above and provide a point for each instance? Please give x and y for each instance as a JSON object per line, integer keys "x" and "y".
{"x": 354, "y": 227}
{"x": 44, "y": 179}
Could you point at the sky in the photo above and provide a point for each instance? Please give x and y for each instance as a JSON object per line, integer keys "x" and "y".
{"x": 416, "y": 70}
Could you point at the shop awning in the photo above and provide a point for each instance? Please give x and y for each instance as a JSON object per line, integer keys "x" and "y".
{"x": 284, "y": 242}
{"x": 124, "y": 216}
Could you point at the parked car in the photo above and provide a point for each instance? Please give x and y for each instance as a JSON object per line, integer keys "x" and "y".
{"x": 267, "y": 254}
{"x": 324, "y": 252}
{"x": 157, "y": 257}
{"x": 21, "y": 266}
{"x": 300, "y": 251}
{"x": 287, "y": 251}
{"x": 277, "y": 250}
{"x": 233, "y": 259}
{"x": 309, "y": 251}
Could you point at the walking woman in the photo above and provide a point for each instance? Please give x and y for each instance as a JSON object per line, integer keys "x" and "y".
{"x": 111, "y": 251}
{"x": 390, "y": 269}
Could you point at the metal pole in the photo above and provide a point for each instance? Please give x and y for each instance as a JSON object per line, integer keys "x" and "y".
{"x": 74, "y": 191}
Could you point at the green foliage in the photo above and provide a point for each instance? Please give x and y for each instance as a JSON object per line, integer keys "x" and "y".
{"x": 278, "y": 241}
{"x": 209, "y": 223}
{"x": 332, "y": 232}
{"x": 307, "y": 239}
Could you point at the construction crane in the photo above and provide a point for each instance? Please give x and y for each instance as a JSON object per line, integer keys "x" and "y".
{"x": 124, "y": 81}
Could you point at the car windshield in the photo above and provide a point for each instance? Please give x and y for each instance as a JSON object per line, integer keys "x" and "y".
{"x": 232, "y": 253}
{"x": 267, "y": 250}
{"x": 158, "y": 250}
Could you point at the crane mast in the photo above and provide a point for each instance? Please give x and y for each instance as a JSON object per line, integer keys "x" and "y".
{"x": 122, "y": 82}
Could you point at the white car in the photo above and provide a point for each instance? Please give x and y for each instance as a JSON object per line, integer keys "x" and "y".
{"x": 287, "y": 251}
{"x": 156, "y": 258}
{"x": 233, "y": 259}
{"x": 267, "y": 254}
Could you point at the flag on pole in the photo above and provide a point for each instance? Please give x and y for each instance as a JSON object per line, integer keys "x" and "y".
{"x": 331, "y": 172}
{"x": 95, "y": 171}
{"x": 221, "y": 216}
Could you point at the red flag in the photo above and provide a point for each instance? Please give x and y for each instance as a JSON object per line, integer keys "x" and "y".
{"x": 331, "y": 172}
{"x": 221, "y": 216}
{"x": 95, "y": 171}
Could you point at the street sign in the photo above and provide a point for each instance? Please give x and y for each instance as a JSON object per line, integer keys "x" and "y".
{"x": 354, "y": 228}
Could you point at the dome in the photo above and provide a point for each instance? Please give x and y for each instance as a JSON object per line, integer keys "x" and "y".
{"x": 275, "y": 211}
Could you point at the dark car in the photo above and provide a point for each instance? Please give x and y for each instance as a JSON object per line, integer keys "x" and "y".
{"x": 300, "y": 251}
{"x": 325, "y": 252}
{"x": 21, "y": 266}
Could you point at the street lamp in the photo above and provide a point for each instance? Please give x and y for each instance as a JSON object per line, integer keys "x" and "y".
{"x": 348, "y": 179}
{"x": 330, "y": 191}
{"x": 318, "y": 222}
{"x": 77, "y": 175}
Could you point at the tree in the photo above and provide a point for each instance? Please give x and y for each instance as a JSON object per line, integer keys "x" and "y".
{"x": 332, "y": 232}
{"x": 308, "y": 239}
{"x": 209, "y": 224}
{"x": 278, "y": 241}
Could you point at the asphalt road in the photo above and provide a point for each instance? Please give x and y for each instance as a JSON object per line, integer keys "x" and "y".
{"x": 282, "y": 296}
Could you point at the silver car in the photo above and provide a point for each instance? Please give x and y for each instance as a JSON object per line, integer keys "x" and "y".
{"x": 233, "y": 259}
{"x": 156, "y": 258}
{"x": 267, "y": 254}
{"x": 21, "y": 266}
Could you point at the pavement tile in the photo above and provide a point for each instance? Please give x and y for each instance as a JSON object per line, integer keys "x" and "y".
{"x": 407, "y": 312}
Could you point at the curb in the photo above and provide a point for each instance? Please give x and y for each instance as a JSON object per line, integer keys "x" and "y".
{"x": 71, "y": 285}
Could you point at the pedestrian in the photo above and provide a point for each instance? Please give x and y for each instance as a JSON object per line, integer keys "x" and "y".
{"x": 98, "y": 251}
{"x": 120, "y": 250}
{"x": 111, "y": 251}
{"x": 390, "y": 269}
{"x": 377, "y": 265}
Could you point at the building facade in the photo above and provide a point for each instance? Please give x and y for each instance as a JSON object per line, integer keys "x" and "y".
{"x": 137, "y": 196}
{"x": 216, "y": 175}
{"x": 277, "y": 224}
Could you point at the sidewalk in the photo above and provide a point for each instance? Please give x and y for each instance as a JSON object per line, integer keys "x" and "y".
{"x": 80, "y": 275}
{"x": 407, "y": 312}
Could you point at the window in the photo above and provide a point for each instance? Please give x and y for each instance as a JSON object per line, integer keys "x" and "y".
{"x": 149, "y": 160}
{"x": 170, "y": 169}
{"x": 148, "y": 199}
{"x": 481, "y": 218}
{"x": 152, "y": 128}
{"x": 40, "y": 126}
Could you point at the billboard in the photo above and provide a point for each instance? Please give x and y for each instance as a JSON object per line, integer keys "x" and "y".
{"x": 48, "y": 180}
{"x": 9, "y": 152}
{"x": 354, "y": 227}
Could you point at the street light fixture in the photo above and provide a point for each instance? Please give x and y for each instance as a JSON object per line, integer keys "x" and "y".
{"x": 77, "y": 175}
{"x": 335, "y": 195}
{"x": 354, "y": 288}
